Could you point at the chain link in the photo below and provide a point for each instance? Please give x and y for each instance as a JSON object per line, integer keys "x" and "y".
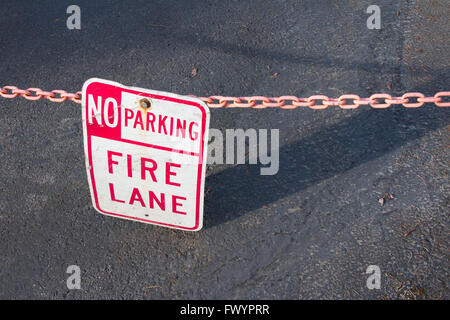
{"x": 346, "y": 101}
{"x": 36, "y": 94}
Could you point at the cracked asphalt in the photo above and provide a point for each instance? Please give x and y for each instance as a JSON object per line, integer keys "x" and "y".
{"x": 308, "y": 232}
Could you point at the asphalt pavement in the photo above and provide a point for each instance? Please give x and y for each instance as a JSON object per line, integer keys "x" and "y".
{"x": 308, "y": 232}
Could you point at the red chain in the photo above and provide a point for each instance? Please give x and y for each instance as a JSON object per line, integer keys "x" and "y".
{"x": 36, "y": 94}
{"x": 346, "y": 101}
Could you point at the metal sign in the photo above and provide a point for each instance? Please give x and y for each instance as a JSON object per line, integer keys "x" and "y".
{"x": 145, "y": 153}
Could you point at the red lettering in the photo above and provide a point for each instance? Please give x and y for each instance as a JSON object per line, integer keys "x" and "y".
{"x": 128, "y": 115}
{"x": 151, "y": 170}
{"x": 175, "y": 204}
{"x": 161, "y": 202}
{"x": 111, "y": 161}
{"x": 171, "y": 173}
{"x": 162, "y": 124}
{"x": 138, "y": 121}
{"x": 181, "y": 126}
{"x": 152, "y": 122}
{"x": 129, "y": 167}
{"x": 136, "y": 195}
{"x": 171, "y": 125}
{"x": 193, "y": 134}
{"x": 113, "y": 196}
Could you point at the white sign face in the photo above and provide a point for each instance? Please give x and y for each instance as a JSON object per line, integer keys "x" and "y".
{"x": 145, "y": 153}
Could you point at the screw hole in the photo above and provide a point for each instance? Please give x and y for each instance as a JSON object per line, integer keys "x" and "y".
{"x": 145, "y": 103}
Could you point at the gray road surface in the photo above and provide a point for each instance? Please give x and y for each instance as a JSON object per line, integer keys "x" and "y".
{"x": 308, "y": 232}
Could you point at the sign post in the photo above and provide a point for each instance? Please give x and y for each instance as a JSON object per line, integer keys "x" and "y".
{"x": 145, "y": 153}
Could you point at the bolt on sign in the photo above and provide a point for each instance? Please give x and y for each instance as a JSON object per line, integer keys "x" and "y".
{"x": 145, "y": 153}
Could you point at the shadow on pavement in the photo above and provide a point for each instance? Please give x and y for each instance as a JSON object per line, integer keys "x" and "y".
{"x": 331, "y": 151}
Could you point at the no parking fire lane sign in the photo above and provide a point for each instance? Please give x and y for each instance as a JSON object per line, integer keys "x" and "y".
{"x": 145, "y": 153}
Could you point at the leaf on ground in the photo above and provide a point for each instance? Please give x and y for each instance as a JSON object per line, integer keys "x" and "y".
{"x": 387, "y": 196}
{"x": 194, "y": 72}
